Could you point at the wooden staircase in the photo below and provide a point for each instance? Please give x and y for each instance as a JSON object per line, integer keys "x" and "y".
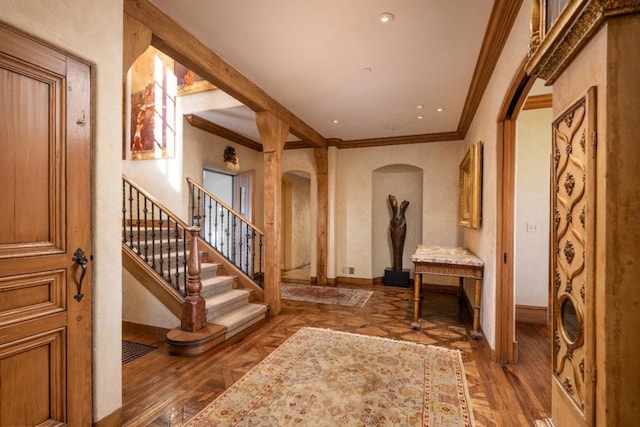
{"x": 157, "y": 253}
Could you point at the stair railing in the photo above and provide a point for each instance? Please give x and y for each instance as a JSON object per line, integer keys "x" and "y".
{"x": 227, "y": 231}
{"x": 156, "y": 235}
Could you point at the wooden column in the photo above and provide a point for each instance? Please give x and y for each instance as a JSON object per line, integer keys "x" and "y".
{"x": 136, "y": 39}
{"x": 273, "y": 133}
{"x": 322, "y": 166}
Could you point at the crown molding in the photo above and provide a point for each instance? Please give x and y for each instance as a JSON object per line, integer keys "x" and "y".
{"x": 182, "y": 46}
{"x": 177, "y": 42}
{"x": 503, "y": 15}
{"x": 535, "y": 102}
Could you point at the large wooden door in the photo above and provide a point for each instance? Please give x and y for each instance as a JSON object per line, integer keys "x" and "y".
{"x": 573, "y": 261}
{"x": 45, "y": 164}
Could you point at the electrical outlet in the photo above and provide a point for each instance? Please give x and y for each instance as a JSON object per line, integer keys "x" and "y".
{"x": 348, "y": 270}
{"x": 532, "y": 227}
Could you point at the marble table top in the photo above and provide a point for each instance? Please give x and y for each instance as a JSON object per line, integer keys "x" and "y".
{"x": 446, "y": 255}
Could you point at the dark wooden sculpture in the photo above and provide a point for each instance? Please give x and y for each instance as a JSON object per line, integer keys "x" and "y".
{"x": 398, "y": 230}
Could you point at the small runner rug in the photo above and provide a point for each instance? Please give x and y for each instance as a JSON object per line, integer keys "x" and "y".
{"x": 325, "y": 294}
{"x": 320, "y": 377}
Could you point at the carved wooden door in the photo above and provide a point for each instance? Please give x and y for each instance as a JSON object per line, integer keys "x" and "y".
{"x": 45, "y": 164}
{"x": 574, "y": 150}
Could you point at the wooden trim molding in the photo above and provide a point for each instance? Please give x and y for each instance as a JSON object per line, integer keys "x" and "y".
{"x": 503, "y": 15}
{"x": 505, "y": 166}
{"x": 535, "y": 102}
{"x": 398, "y": 140}
{"x": 182, "y": 46}
{"x": 531, "y": 314}
{"x": 143, "y": 18}
{"x": 114, "y": 419}
{"x": 210, "y": 127}
{"x": 357, "y": 281}
{"x": 551, "y": 51}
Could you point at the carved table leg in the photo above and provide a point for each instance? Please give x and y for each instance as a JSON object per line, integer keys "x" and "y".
{"x": 460, "y": 297}
{"x": 417, "y": 288}
{"x": 475, "y": 332}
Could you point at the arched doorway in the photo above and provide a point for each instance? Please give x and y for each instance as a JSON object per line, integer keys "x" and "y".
{"x": 296, "y": 227}
{"x": 505, "y": 350}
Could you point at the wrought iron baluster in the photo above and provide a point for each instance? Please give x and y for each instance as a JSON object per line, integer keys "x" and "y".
{"x": 227, "y": 233}
{"x": 176, "y": 234}
{"x": 233, "y": 239}
{"x": 131, "y": 217}
{"x": 185, "y": 263}
{"x": 241, "y": 245}
{"x": 169, "y": 279}
{"x": 161, "y": 245}
{"x": 247, "y": 236}
{"x": 138, "y": 222}
{"x": 215, "y": 218}
{"x": 146, "y": 225}
{"x": 253, "y": 254}
{"x": 153, "y": 236}
{"x": 124, "y": 211}
{"x": 260, "y": 278}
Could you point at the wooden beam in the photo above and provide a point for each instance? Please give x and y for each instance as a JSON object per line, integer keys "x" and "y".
{"x": 322, "y": 175}
{"x": 503, "y": 15}
{"x": 183, "y": 47}
{"x": 535, "y": 102}
{"x": 273, "y": 133}
{"x": 207, "y": 126}
{"x": 136, "y": 39}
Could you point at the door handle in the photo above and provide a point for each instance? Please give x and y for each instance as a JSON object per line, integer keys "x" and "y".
{"x": 80, "y": 259}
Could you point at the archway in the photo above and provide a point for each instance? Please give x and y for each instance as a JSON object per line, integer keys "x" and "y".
{"x": 405, "y": 182}
{"x": 296, "y": 227}
{"x": 506, "y": 346}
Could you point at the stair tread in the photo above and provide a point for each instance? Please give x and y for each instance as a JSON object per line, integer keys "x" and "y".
{"x": 216, "y": 280}
{"x": 240, "y": 315}
{"x": 226, "y": 297}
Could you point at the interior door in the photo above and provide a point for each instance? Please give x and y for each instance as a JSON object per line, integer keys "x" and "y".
{"x": 45, "y": 279}
{"x": 573, "y": 261}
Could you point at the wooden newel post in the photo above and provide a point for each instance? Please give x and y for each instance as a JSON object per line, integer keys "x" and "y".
{"x": 194, "y": 315}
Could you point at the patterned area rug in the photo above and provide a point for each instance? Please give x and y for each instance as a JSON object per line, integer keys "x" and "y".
{"x": 320, "y": 377}
{"x": 325, "y": 295}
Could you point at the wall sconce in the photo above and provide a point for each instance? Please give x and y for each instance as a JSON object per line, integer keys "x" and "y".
{"x": 231, "y": 161}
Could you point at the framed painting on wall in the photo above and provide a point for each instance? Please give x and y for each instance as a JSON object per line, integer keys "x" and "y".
{"x": 470, "y": 188}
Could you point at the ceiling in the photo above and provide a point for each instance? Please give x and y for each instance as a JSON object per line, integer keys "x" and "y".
{"x": 333, "y": 60}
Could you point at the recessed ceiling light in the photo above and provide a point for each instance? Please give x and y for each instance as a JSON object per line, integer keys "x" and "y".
{"x": 440, "y": 110}
{"x": 386, "y": 17}
{"x": 420, "y": 117}
{"x": 335, "y": 121}
{"x": 419, "y": 106}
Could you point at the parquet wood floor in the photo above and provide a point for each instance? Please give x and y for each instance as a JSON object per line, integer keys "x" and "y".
{"x": 164, "y": 390}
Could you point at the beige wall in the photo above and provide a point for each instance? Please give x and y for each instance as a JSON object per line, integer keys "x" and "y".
{"x": 531, "y": 218}
{"x": 95, "y": 34}
{"x": 484, "y": 128}
{"x": 352, "y": 216}
{"x": 142, "y": 307}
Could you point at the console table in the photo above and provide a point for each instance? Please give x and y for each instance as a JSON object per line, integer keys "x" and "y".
{"x": 448, "y": 261}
